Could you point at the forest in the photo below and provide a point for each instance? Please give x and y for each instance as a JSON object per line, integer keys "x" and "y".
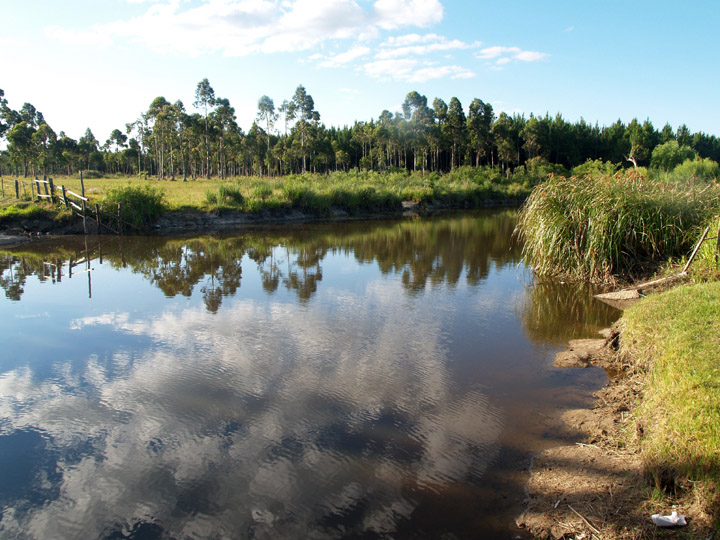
{"x": 169, "y": 142}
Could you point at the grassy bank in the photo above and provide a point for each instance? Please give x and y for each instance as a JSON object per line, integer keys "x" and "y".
{"x": 354, "y": 192}
{"x": 600, "y": 226}
{"x": 673, "y": 339}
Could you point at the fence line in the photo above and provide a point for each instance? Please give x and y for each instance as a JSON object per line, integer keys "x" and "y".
{"x": 77, "y": 203}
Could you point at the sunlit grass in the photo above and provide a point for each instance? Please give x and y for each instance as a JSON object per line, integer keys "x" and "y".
{"x": 673, "y": 338}
{"x": 318, "y": 194}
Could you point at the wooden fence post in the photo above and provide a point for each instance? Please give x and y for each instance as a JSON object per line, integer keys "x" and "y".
{"x": 2, "y": 184}
{"x": 65, "y": 198}
{"x": 37, "y": 189}
{"x": 17, "y": 190}
{"x": 82, "y": 185}
{"x": 84, "y": 212}
{"x": 97, "y": 217}
{"x": 52, "y": 190}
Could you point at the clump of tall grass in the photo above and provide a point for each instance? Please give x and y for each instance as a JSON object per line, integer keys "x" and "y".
{"x": 141, "y": 205}
{"x": 597, "y": 227}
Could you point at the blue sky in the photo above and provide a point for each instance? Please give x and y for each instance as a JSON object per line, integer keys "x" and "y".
{"x": 100, "y": 63}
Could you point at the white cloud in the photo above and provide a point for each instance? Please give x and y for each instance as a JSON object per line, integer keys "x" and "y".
{"x": 346, "y": 57}
{"x": 391, "y": 14}
{"x": 410, "y": 70}
{"x": 420, "y": 45}
{"x": 241, "y": 27}
{"x": 504, "y": 55}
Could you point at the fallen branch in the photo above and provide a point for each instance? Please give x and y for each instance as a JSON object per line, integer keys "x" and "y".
{"x": 592, "y": 528}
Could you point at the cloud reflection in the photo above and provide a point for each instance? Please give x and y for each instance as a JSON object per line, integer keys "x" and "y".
{"x": 257, "y": 421}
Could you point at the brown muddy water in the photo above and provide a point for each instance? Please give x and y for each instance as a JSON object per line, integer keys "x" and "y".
{"x": 360, "y": 380}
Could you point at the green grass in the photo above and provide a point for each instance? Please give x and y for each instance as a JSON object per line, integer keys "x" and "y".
{"x": 20, "y": 211}
{"x": 141, "y": 205}
{"x": 674, "y": 338}
{"x": 598, "y": 227}
{"x": 317, "y": 194}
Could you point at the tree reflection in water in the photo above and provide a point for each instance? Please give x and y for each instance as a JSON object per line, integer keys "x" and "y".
{"x": 424, "y": 251}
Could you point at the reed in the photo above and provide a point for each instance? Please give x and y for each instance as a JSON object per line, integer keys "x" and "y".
{"x": 599, "y": 227}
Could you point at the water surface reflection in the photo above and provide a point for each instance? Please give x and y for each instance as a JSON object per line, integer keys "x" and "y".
{"x": 327, "y": 382}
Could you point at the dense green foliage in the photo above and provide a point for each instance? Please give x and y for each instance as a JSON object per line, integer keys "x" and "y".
{"x": 673, "y": 338}
{"x": 140, "y": 205}
{"x": 166, "y": 141}
{"x": 597, "y": 227}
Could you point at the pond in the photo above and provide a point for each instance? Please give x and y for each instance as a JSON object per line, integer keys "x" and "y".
{"x": 354, "y": 380}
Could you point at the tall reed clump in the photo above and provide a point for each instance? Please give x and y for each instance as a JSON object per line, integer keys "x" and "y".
{"x": 594, "y": 228}
{"x": 141, "y": 205}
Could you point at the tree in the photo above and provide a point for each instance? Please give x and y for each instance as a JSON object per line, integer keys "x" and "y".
{"x": 480, "y": 121}
{"x": 456, "y": 127}
{"x": 204, "y": 100}
{"x": 21, "y": 143}
{"x": 419, "y": 115}
{"x": 4, "y": 124}
{"x": 267, "y": 114}
{"x": 669, "y": 155}
{"x": 303, "y": 108}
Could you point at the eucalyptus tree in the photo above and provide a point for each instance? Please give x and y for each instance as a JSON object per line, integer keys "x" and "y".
{"x": 44, "y": 140}
{"x": 303, "y": 109}
{"x": 480, "y": 121}
{"x": 225, "y": 125}
{"x": 158, "y": 118}
{"x": 438, "y": 137}
{"x": 456, "y": 128}
{"x": 20, "y": 144}
{"x": 267, "y": 115}
{"x": 204, "y": 101}
{"x": 420, "y": 118}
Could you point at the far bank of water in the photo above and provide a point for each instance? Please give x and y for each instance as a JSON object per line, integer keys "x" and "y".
{"x": 354, "y": 380}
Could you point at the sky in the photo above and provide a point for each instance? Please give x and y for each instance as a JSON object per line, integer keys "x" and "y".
{"x": 100, "y": 63}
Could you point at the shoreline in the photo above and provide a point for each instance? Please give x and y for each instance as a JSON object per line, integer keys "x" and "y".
{"x": 178, "y": 222}
{"x": 599, "y": 488}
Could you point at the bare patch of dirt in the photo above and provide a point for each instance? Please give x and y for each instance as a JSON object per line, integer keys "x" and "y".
{"x": 598, "y": 488}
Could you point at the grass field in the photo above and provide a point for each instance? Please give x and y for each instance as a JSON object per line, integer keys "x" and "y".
{"x": 355, "y": 192}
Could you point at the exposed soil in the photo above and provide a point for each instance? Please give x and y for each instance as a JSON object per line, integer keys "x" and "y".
{"x": 598, "y": 488}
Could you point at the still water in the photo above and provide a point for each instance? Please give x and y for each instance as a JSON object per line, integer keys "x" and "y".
{"x": 360, "y": 380}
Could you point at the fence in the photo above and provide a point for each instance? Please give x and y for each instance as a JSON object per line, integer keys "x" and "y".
{"x": 78, "y": 204}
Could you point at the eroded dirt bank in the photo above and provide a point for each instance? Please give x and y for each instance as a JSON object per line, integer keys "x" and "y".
{"x": 598, "y": 488}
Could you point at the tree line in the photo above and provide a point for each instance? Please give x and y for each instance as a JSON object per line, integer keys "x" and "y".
{"x": 168, "y": 142}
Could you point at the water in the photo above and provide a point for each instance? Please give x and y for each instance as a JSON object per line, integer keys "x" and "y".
{"x": 367, "y": 380}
